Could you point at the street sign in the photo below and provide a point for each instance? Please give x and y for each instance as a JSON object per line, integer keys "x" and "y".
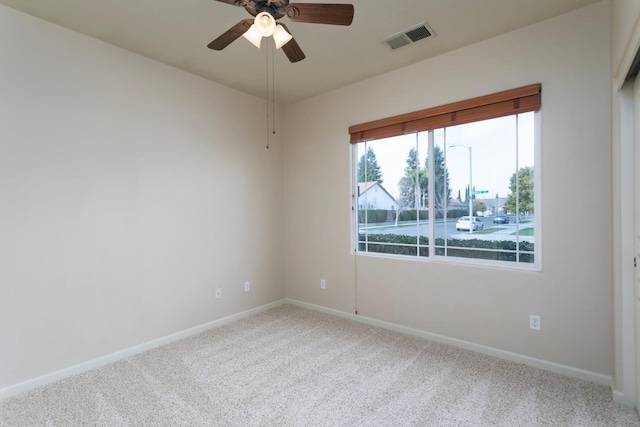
{"x": 481, "y": 192}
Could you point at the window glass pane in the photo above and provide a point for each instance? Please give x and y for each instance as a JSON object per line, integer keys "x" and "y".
{"x": 448, "y": 205}
{"x": 481, "y": 158}
{"x": 392, "y": 196}
{"x": 526, "y": 162}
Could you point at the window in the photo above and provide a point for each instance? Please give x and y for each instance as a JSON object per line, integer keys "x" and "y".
{"x": 450, "y": 184}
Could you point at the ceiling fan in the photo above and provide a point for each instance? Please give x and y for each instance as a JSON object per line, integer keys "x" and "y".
{"x": 267, "y": 12}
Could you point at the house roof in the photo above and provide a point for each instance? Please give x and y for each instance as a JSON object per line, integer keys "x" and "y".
{"x": 456, "y": 202}
{"x": 363, "y": 187}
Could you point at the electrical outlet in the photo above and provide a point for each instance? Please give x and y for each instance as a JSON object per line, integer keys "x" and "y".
{"x": 534, "y": 322}
{"x": 323, "y": 284}
{"x": 218, "y": 293}
{"x": 247, "y": 286}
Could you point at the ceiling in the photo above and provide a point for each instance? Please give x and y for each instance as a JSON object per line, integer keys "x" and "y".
{"x": 176, "y": 32}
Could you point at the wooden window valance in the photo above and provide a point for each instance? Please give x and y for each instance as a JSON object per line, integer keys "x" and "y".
{"x": 514, "y": 101}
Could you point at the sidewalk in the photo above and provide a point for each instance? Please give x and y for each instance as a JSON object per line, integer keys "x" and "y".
{"x": 504, "y": 234}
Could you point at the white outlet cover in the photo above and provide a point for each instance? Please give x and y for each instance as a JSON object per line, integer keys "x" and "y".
{"x": 534, "y": 322}
{"x": 323, "y": 284}
{"x": 247, "y": 286}
{"x": 218, "y": 293}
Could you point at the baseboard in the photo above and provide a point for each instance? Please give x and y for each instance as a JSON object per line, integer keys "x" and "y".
{"x": 558, "y": 368}
{"x": 40, "y": 381}
{"x": 623, "y": 399}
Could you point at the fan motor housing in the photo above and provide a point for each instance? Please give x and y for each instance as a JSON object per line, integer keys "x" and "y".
{"x": 277, "y": 9}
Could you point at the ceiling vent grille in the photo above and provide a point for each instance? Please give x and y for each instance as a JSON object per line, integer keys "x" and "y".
{"x": 408, "y": 36}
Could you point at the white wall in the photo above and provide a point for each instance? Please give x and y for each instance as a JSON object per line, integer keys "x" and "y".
{"x": 570, "y": 56}
{"x": 129, "y": 190}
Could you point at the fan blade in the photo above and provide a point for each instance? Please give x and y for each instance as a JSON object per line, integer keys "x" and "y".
{"x": 231, "y": 35}
{"x": 321, "y": 13}
{"x": 292, "y": 49}
{"x": 231, "y": 2}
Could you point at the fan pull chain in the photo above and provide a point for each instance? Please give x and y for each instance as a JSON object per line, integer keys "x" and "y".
{"x": 273, "y": 86}
{"x": 271, "y": 92}
{"x": 268, "y": 93}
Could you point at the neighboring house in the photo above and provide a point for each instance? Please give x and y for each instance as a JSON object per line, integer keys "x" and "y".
{"x": 494, "y": 205}
{"x": 455, "y": 204}
{"x": 372, "y": 195}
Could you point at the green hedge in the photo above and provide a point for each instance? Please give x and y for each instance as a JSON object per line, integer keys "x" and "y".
{"x": 382, "y": 215}
{"x": 412, "y": 215}
{"x": 408, "y": 244}
{"x": 472, "y": 248}
{"x": 457, "y": 248}
{"x": 374, "y": 215}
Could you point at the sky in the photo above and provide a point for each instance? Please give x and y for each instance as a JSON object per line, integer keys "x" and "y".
{"x": 493, "y": 148}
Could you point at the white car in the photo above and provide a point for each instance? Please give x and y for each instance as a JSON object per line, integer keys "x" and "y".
{"x": 464, "y": 223}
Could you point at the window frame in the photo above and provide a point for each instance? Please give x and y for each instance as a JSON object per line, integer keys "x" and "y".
{"x": 509, "y": 103}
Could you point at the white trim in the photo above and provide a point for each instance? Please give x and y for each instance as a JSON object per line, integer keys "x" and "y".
{"x": 623, "y": 242}
{"x": 619, "y": 397}
{"x": 475, "y": 262}
{"x": 536, "y": 265}
{"x": 61, "y": 374}
{"x": 538, "y": 167}
{"x": 558, "y": 368}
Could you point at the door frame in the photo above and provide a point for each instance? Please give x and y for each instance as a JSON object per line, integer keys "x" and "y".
{"x": 623, "y": 132}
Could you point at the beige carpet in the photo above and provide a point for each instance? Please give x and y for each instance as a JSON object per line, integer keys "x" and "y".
{"x": 294, "y": 367}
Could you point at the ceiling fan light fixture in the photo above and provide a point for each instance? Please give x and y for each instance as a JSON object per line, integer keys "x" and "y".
{"x": 253, "y": 36}
{"x": 265, "y": 24}
{"x": 266, "y": 13}
{"x": 281, "y": 36}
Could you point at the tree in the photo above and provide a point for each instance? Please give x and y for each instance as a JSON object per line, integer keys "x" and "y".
{"x": 413, "y": 184}
{"x": 459, "y": 197}
{"x": 368, "y": 167}
{"x": 398, "y": 205}
{"x": 522, "y": 193}
{"x": 413, "y": 161}
{"x": 479, "y": 206}
{"x": 418, "y": 180}
{"x": 466, "y": 194}
{"x": 441, "y": 184}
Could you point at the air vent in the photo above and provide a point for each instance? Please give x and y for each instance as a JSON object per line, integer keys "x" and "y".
{"x": 408, "y": 36}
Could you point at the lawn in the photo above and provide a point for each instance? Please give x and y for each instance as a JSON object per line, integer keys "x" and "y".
{"x": 525, "y": 232}
{"x": 488, "y": 230}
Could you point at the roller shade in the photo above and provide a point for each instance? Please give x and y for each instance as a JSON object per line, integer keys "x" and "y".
{"x": 514, "y": 101}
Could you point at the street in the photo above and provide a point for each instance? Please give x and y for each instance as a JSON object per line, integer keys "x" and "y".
{"x": 501, "y": 231}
